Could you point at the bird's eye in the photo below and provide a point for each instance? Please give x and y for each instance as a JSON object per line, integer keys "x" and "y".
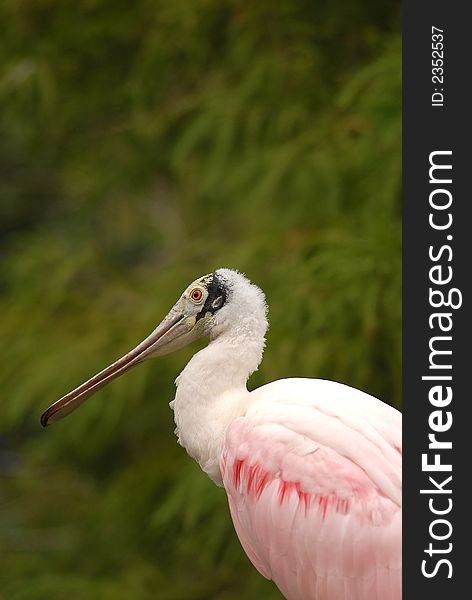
{"x": 196, "y": 295}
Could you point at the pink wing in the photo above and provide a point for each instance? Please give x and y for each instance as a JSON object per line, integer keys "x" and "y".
{"x": 313, "y": 477}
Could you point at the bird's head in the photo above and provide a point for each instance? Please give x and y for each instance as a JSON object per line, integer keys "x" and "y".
{"x": 210, "y": 306}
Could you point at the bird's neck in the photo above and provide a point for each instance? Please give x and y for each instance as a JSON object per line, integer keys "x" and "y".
{"x": 211, "y": 393}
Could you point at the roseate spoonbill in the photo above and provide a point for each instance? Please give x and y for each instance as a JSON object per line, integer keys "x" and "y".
{"x": 312, "y": 468}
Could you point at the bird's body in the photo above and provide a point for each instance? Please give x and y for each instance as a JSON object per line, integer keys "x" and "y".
{"x": 312, "y": 477}
{"x": 311, "y": 468}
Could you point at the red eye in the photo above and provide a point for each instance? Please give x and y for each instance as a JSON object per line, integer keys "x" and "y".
{"x": 196, "y": 295}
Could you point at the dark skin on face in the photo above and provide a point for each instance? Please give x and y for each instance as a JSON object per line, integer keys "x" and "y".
{"x": 183, "y": 324}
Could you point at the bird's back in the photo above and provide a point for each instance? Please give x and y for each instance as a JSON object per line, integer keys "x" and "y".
{"x": 313, "y": 476}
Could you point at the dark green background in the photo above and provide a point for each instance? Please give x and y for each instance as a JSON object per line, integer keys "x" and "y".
{"x": 142, "y": 145}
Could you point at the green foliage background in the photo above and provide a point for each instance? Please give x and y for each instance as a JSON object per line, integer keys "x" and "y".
{"x": 143, "y": 144}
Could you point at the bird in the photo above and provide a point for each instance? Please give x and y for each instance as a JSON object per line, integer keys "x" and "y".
{"x": 311, "y": 467}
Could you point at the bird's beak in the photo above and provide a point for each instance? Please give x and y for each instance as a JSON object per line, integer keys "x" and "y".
{"x": 172, "y": 333}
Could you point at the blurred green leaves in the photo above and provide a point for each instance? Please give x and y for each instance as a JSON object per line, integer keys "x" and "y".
{"x": 142, "y": 145}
